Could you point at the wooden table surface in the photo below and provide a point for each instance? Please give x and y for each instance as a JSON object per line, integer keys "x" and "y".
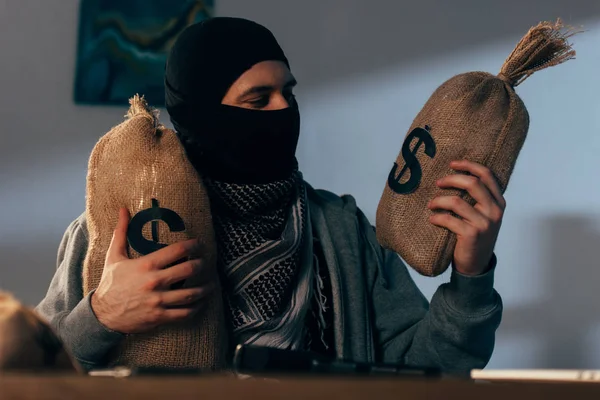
{"x": 79, "y": 387}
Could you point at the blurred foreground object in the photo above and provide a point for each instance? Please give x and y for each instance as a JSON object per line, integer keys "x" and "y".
{"x": 537, "y": 375}
{"x": 27, "y": 343}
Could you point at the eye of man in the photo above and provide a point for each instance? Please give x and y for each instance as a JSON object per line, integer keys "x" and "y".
{"x": 260, "y": 101}
{"x": 263, "y": 100}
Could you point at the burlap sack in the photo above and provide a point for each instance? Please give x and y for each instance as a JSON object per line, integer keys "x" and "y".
{"x": 27, "y": 343}
{"x": 141, "y": 165}
{"x": 474, "y": 116}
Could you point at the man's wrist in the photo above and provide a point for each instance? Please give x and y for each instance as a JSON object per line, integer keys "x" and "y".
{"x": 98, "y": 312}
{"x": 490, "y": 266}
{"x": 96, "y": 309}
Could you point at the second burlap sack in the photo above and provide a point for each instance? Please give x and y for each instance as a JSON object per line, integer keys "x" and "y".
{"x": 141, "y": 165}
{"x": 475, "y": 116}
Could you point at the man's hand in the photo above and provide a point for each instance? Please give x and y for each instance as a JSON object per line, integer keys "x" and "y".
{"x": 134, "y": 296}
{"x": 478, "y": 229}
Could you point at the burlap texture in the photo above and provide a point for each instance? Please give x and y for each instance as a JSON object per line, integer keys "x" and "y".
{"x": 136, "y": 162}
{"x": 27, "y": 343}
{"x": 474, "y": 116}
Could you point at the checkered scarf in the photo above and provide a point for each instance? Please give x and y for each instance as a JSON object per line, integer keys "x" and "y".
{"x": 265, "y": 258}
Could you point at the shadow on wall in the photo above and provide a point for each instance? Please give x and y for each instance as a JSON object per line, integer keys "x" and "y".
{"x": 567, "y": 317}
{"x": 326, "y": 41}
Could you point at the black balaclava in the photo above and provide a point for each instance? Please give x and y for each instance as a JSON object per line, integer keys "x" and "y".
{"x": 225, "y": 143}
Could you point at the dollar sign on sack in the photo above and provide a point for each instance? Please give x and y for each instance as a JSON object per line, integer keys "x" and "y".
{"x": 411, "y": 162}
{"x": 135, "y": 235}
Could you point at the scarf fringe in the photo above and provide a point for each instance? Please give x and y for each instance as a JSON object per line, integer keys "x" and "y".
{"x": 321, "y": 301}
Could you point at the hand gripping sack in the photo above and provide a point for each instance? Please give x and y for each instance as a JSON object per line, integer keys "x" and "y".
{"x": 474, "y": 116}
{"x": 141, "y": 165}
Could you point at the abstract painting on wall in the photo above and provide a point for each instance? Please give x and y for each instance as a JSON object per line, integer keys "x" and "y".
{"x": 123, "y": 47}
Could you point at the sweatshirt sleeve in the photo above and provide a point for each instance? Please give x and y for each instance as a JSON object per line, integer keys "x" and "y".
{"x": 455, "y": 332}
{"x": 68, "y": 312}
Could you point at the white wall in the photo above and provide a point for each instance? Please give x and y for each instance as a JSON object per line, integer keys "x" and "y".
{"x": 365, "y": 69}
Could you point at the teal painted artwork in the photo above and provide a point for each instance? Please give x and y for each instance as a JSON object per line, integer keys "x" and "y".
{"x": 123, "y": 46}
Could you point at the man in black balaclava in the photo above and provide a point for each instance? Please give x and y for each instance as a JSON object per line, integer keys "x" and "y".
{"x": 301, "y": 268}
{"x": 245, "y": 151}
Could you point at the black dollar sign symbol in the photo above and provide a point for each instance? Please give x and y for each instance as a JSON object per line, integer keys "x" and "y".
{"x": 411, "y": 161}
{"x": 135, "y": 237}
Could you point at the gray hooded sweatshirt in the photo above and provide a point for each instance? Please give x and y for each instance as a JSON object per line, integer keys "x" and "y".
{"x": 379, "y": 313}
